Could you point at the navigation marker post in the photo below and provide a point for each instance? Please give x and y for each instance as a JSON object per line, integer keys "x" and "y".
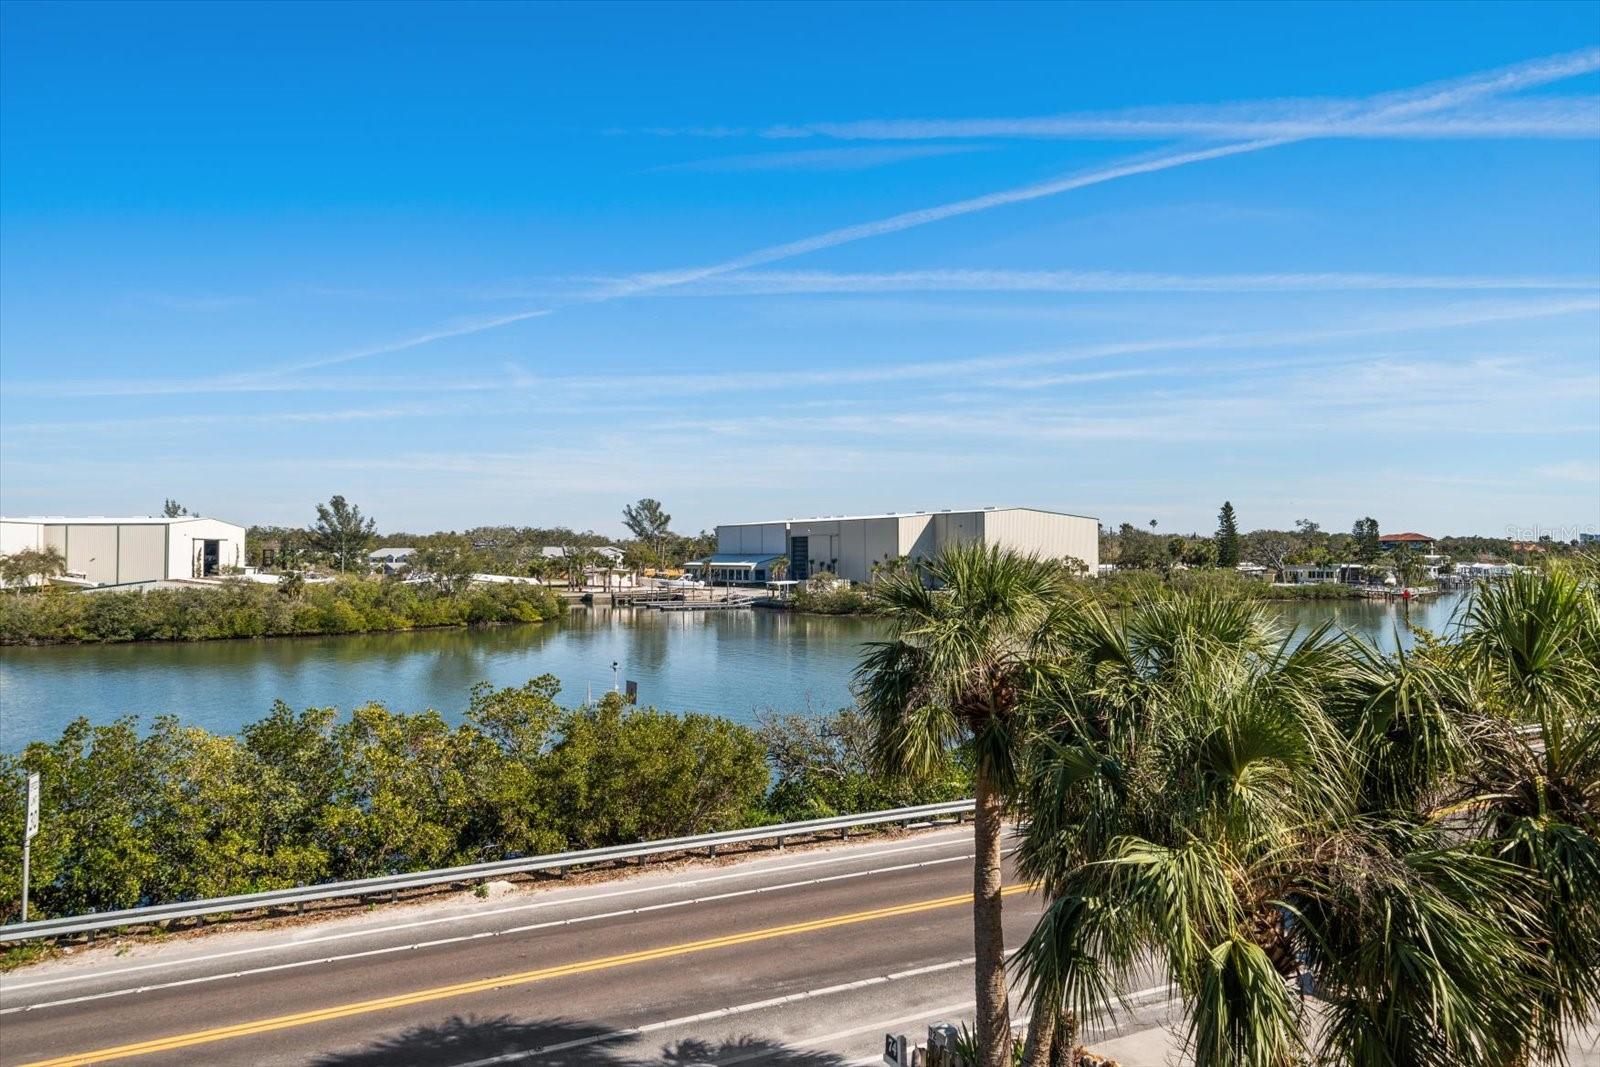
{"x": 31, "y": 828}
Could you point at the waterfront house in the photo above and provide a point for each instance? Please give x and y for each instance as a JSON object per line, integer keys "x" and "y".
{"x": 1338, "y": 573}
{"x": 1419, "y": 543}
{"x": 1311, "y": 573}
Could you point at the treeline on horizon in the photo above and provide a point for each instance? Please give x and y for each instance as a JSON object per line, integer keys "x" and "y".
{"x": 341, "y": 535}
{"x": 174, "y": 812}
{"x": 1134, "y": 547}
{"x": 249, "y": 609}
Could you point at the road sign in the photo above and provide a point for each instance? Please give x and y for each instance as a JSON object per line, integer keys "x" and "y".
{"x": 33, "y": 807}
{"x": 894, "y": 1051}
{"x": 633, "y": 692}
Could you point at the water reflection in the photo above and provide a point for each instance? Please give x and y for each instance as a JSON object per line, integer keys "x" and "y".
{"x": 733, "y": 663}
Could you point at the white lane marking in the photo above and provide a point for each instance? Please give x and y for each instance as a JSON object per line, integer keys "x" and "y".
{"x": 719, "y": 1013}
{"x": 7, "y": 987}
{"x": 882, "y": 1025}
{"x": 930, "y": 1013}
{"x": 778, "y": 1002}
{"x": 481, "y": 935}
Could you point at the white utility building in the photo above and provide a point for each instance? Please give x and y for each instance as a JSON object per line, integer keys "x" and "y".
{"x": 118, "y": 551}
{"x": 850, "y": 545}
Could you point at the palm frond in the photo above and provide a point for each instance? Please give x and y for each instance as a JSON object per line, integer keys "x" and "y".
{"x": 1241, "y": 1013}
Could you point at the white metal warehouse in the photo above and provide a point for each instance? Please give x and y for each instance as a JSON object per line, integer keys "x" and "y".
{"x": 117, "y": 551}
{"x": 850, "y": 545}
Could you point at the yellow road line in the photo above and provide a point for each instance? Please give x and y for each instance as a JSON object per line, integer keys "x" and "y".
{"x": 422, "y": 996}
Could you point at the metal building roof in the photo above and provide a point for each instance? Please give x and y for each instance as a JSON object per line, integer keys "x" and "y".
{"x": 111, "y": 520}
{"x": 907, "y": 515}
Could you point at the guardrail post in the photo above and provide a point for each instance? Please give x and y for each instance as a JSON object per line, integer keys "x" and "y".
{"x": 780, "y": 843}
{"x": 711, "y": 850}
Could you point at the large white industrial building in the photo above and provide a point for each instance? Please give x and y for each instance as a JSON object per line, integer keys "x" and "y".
{"x": 850, "y": 545}
{"x": 118, "y": 551}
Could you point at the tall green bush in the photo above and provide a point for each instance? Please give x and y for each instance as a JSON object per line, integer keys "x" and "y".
{"x": 177, "y": 813}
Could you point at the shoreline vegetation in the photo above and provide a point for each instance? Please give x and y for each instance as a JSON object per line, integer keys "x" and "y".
{"x": 1121, "y": 590}
{"x": 363, "y": 605}
{"x": 242, "y": 609}
{"x": 173, "y": 812}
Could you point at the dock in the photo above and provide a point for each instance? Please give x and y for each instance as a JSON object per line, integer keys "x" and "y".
{"x": 704, "y": 605}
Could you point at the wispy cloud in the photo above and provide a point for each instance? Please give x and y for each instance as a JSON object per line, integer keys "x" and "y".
{"x": 821, "y": 159}
{"x": 1559, "y": 117}
{"x": 1064, "y": 281}
{"x": 1375, "y": 397}
{"x": 191, "y": 303}
{"x": 237, "y": 419}
{"x": 1388, "y": 107}
{"x": 1399, "y": 106}
{"x": 1571, "y": 471}
{"x": 460, "y": 329}
{"x": 1438, "y": 317}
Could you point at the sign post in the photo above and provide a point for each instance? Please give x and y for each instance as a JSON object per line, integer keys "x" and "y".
{"x": 28, "y": 831}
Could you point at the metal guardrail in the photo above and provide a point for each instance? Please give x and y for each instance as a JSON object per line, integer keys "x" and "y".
{"x": 393, "y": 883}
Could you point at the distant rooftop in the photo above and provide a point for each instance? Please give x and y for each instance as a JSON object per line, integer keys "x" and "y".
{"x": 908, "y": 515}
{"x": 1408, "y": 536}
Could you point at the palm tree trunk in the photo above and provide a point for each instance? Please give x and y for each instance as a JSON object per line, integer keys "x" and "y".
{"x": 988, "y": 936}
{"x": 1064, "y": 1050}
{"x": 1041, "y": 1034}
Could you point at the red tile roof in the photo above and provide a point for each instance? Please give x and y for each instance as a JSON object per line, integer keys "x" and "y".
{"x": 1405, "y": 537}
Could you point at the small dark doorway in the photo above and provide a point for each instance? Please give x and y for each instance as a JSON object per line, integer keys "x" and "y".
{"x": 210, "y": 558}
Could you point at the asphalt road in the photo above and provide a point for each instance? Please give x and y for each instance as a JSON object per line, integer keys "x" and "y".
{"x": 799, "y": 959}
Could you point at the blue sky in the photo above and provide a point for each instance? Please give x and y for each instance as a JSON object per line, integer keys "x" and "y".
{"x": 524, "y": 264}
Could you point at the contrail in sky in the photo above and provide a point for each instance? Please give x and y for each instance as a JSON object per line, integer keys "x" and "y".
{"x": 1388, "y": 107}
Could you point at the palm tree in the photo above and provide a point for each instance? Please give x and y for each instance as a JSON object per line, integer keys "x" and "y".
{"x": 971, "y": 636}
{"x": 577, "y": 564}
{"x": 1532, "y": 651}
{"x": 1260, "y": 812}
{"x": 1182, "y": 715}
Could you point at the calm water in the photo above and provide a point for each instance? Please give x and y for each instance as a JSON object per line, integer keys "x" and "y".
{"x": 733, "y": 663}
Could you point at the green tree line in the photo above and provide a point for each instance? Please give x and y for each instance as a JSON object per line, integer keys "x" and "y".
{"x": 249, "y": 609}
{"x": 174, "y": 812}
{"x": 340, "y": 536}
{"x": 1133, "y": 547}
